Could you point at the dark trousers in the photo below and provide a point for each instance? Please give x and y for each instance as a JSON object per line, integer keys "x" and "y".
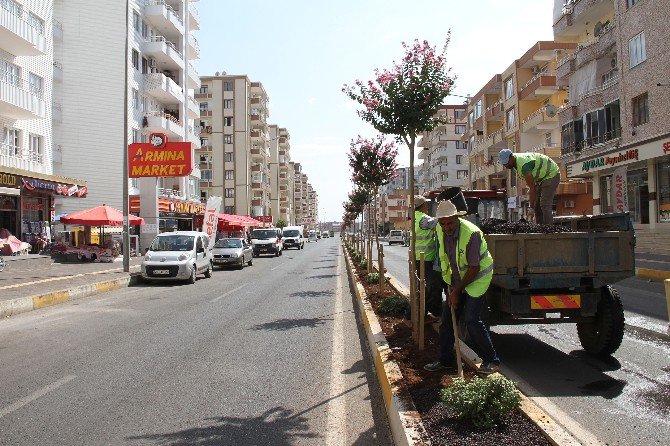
{"x": 470, "y": 308}
{"x": 434, "y": 288}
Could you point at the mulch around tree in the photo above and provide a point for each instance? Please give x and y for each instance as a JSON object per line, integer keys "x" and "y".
{"x": 440, "y": 423}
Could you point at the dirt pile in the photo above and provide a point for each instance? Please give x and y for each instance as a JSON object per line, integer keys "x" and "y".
{"x": 498, "y": 226}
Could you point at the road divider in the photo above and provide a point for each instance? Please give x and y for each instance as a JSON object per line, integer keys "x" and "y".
{"x": 667, "y": 301}
{"x": 653, "y": 274}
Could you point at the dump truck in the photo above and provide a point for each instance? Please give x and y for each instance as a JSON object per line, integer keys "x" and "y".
{"x": 552, "y": 278}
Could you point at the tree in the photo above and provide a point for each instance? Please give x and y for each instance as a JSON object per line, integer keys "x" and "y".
{"x": 281, "y": 224}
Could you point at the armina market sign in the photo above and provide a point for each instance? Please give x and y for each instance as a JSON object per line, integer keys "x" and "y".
{"x": 641, "y": 153}
{"x": 159, "y": 158}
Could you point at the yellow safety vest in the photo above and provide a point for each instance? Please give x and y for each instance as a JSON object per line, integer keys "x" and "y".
{"x": 425, "y": 239}
{"x": 545, "y": 168}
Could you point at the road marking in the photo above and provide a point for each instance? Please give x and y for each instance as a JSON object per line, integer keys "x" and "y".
{"x": 336, "y": 427}
{"x": 54, "y": 279}
{"x": 35, "y": 395}
{"x": 216, "y": 299}
{"x": 278, "y": 266}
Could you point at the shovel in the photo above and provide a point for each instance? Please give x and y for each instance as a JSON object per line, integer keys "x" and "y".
{"x": 457, "y": 343}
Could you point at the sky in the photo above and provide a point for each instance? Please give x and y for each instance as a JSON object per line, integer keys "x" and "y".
{"x": 303, "y": 51}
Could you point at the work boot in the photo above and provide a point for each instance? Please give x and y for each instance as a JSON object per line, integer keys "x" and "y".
{"x": 488, "y": 368}
{"x": 437, "y": 366}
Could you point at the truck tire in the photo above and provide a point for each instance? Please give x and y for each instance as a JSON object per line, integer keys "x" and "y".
{"x": 603, "y": 337}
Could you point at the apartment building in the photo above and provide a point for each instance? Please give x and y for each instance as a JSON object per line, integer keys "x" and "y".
{"x": 305, "y": 199}
{"x": 517, "y": 109}
{"x": 28, "y": 186}
{"x": 444, "y": 154}
{"x": 394, "y": 201}
{"x": 614, "y": 125}
{"x": 281, "y": 176}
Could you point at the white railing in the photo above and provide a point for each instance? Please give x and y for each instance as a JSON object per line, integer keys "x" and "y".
{"x": 194, "y": 43}
{"x": 165, "y": 116}
{"x": 16, "y": 10}
{"x": 613, "y": 80}
{"x": 191, "y": 68}
{"x": 565, "y": 60}
{"x": 162, "y": 39}
{"x": 170, "y": 193}
{"x": 8, "y": 78}
{"x": 537, "y": 76}
{"x": 169, "y": 8}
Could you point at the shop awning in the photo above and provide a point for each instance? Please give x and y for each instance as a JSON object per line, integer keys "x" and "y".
{"x": 33, "y": 181}
{"x": 99, "y": 216}
{"x": 239, "y": 220}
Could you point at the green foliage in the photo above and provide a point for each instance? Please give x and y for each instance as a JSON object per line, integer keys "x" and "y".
{"x": 364, "y": 264}
{"x": 281, "y": 224}
{"x": 393, "y": 306}
{"x": 356, "y": 256}
{"x": 483, "y": 401}
{"x": 372, "y": 278}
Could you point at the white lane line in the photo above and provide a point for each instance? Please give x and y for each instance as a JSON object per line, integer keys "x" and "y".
{"x": 35, "y": 395}
{"x": 336, "y": 429}
{"x": 278, "y": 266}
{"x": 216, "y": 299}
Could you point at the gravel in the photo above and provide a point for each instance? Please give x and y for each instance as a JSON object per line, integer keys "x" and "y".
{"x": 498, "y": 226}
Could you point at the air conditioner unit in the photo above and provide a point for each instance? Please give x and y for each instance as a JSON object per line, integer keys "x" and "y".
{"x": 569, "y": 204}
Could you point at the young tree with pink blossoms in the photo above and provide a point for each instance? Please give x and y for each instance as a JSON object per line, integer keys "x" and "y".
{"x": 403, "y": 101}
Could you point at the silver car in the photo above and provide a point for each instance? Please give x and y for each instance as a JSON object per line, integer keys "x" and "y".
{"x": 179, "y": 255}
{"x": 232, "y": 251}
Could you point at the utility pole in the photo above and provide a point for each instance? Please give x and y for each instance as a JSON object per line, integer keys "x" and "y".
{"x": 126, "y": 234}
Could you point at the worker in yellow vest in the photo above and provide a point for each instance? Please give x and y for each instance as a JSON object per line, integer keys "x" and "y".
{"x": 467, "y": 269}
{"x": 542, "y": 176}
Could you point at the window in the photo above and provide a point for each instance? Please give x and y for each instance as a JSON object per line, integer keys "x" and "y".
{"x": 227, "y": 86}
{"x": 462, "y": 174}
{"x": 509, "y": 87}
{"x": 460, "y": 129}
{"x": 228, "y": 121}
{"x": 145, "y": 104}
{"x": 228, "y": 157}
{"x": 10, "y": 73}
{"x": 35, "y": 84}
{"x": 229, "y": 175}
{"x": 458, "y": 114}
{"x": 36, "y": 147}
{"x": 637, "y": 48}
{"x": 13, "y": 7}
{"x": 11, "y": 142}
{"x": 206, "y": 175}
{"x": 136, "y": 135}
{"x": 145, "y": 29}
{"x": 136, "y": 99}
{"x": 204, "y": 89}
{"x": 204, "y": 158}
{"x": 461, "y": 145}
{"x": 203, "y": 195}
{"x": 511, "y": 118}
{"x": 547, "y": 140}
{"x": 471, "y": 119}
{"x": 145, "y": 65}
{"x": 136, "y": 21}
{"x": 36, "y": 23}
{"x": 230, "y": 192}
{"x": 227, "y": 103}
{"x": 478, "y": 109}
{"x": 459, "y": 159}
{"x": 229, "y": 209}
{"x": 204, "y": 106}
{"x": 640, "y": 110}
{"x": 136, "y": 59}
{"x": 227, "y": 139}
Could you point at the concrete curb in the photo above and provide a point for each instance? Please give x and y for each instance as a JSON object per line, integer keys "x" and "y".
{"x": 29, "y": 303}
{"x": 404, "y": 420}
{"x": 553, "y": 432}
{"x": 654, "y": 274}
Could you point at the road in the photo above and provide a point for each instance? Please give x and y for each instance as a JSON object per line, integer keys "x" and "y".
{"x": 271, "y": 354}
{"x": 624, "y": 400}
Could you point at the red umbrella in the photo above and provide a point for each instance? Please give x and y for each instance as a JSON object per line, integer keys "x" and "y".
{"x": 99, "y": 216}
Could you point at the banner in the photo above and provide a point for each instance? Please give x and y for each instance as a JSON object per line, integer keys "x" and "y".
{"x": 211, "y": 219}
{"x": 619, "y": 192}
{"x": 159, "y": 158}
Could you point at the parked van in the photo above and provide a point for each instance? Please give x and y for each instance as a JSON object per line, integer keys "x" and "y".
{"x": 312, "y": 236}
{"x": 179, "y": 255}
{"x": 293, "y": 237}
{"x": 396, "y": 236}
{"x": 267, "y": 241}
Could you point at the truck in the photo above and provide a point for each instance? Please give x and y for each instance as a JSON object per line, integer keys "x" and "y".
{"x": 558, "y": 277}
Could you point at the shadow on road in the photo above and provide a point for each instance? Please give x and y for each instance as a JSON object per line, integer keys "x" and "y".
{"x": 311, "y": 293}
{"x": 324, "y": 267}
{"x": 356, "y": 367}
{"x": 289, "y": 324}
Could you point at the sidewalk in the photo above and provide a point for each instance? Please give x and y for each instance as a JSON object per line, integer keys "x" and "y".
{"x": 652, "y": 266}
{"x": 24, "y": 288}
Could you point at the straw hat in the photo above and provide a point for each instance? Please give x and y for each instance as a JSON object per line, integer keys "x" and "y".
{"x": 447, "y": 209}
{"x": 419, "y": 201}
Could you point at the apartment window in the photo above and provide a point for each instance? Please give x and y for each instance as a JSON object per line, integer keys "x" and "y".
{"x": 36, "y": 84}
{"x": 458, "y": 114}
{"x": 136, "y": 99}
{"x": 547, "y": 140}
{"x": 204, "y": 89}
{"x": 471, "y": 119}
{"x": 478, "y": 109}
{"x": 10, "y": 73}
{"x": 136, "y": 59}
{"x": 227, "y": 139}
{"x": 136, "y": 135}
{"x": 203, "y": 195}
{"x": 206, "y": 174}
{"x": 145, "y": 104}
{"x": 11, "y": 142}
{"x": 227, "y": 103}
{"x": 637, "y": 48}
{"x": 145, "y": 65}
{"x": 204, "y": 106}
{"x": 462, "y": 174}
{"x": 640, "y": 110}
{"x": 461, "y": 145}
{"x": 511, "y": 118}
{"x": 227, "y": 86}
{"x": 229, "y": 175}
{"x": 145, "y": 29}
{"x": 509, "y": 87}
{"x": 36, "y": 22}
{"x": 459, "y": 159}
{"x": 13, "y": 7}
{"x": 204, "y": 158}
{"x": 136, "y": 21}
{"x": 230, "y": 192}
{"x": 228, "y": 157}
{"x": 460, "y": 129}
{"x": 204, "y": 142}
{"x": 228, "y": 121}
{"x": 229, "y": 209}
{"x": 36, "y": 147}
{"x": 631, "y": 3}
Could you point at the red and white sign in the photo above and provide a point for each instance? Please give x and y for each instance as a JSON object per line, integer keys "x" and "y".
{"x": 308, "y": 220}
{"x": 211, "y": 219}
{"x": 264, "y": 218}
{"x": 619, "y": 191}
{"x": 160, "y": 158}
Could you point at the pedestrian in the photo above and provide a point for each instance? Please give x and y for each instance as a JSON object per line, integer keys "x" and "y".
{"x": 426, "y": 241}
{"x": 542, "y": 176}
{"x": 467, "y": 269}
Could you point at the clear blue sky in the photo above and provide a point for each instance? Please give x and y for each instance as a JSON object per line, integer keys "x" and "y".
{"x": 303, "y": 51}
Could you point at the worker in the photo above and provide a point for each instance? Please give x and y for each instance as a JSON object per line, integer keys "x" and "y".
{"x": 467, "y": 269}
{"x": 542, "y": 177}
{"x": 426, "y": 242}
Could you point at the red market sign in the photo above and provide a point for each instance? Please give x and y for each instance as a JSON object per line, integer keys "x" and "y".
{"x": 264, "y": 219}
{"x": 67, "y": 190}
{"x": 166, "y": 205}
{"x": 159, "y": 158}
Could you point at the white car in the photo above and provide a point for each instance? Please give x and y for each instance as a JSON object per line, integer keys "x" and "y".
{"x": 292, "y": 237}
{"x": 396, "y": 236}
{"x": 312, "y": 236}
{"x": 179, "y": 255}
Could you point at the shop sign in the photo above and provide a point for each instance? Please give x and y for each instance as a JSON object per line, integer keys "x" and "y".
{"x": 7, "y": 180}
{"x": 264, "y": 218}
{"x": 306, "y": 220}
{"x": 159, "y": 158}
{"x": 33, "y": 206}
{"x": 66, "y": 190}
{"x": 211, "y": 219}
{"x": 619, "y": 191}
{"x": 511, "y": 203}
{"x": 606, "y": 161}
{"x": 180, "y": 207}
{"x": 640, "y": 153}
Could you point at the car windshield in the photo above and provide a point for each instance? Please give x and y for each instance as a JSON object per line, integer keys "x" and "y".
{"x": 228, "y": 243}
{"x": 261, "y": 234}
{"x": 172, "y": 243}
{"x": 291, "y": 233}
{"x": 396, "y": 233}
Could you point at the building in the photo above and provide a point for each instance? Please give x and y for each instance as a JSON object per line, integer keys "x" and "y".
{"x": 161, "y": 77}
{"x": 281, "y": 176}
{"x": 614, "y": 125}
{"x": 28, "y": 187}
{"x": 394, "y": 201}
{"x": 444, "y": 154}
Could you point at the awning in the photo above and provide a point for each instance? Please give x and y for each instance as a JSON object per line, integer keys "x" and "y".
{"x": 99, "y": 216}
{"x": 239, "y": 220}
{"x": 14, "y": 178}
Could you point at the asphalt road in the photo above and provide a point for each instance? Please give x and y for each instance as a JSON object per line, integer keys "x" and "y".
{"x": 624, "y": 400}
{"x": 269, "y": 355}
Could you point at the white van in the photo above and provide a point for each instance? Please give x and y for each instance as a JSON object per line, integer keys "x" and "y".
{"x": 396, "y": 236}
{"x": 293, "y": 237}
{"x": 179, "y": 255}
{"x": 312, "y": 236}
{"x": 266, "y": 241}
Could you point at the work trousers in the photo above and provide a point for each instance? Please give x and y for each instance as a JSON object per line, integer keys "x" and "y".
{"x": 544, "y": 200}
{"x": 471, "y": 309}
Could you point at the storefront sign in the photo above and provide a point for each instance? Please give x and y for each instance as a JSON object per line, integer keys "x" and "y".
{"x": 67, "y": 190}
{"x": 159, "y": 158}
{"x": 264, "y": 218}
{"x": 180, "y": 207}
{"x": 8, "y": 180}
{"x": 607, "y": 161}
{"x": 619, "y": 191}
{"x": 613, "y": 159}
{"x": 308, "y": 220}
{"x": 511, "y": 203}
{"x": 211, "y": 219}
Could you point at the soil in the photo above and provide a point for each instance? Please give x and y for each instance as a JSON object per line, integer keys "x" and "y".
{"x": 440, "y": 423}
{"x": 498, "y": 226}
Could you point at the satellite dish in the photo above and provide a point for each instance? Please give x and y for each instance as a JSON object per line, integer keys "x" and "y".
{"x": 217, "y": 73}
{"x": 598, "y": 29}
{"x": 550, "y": 110}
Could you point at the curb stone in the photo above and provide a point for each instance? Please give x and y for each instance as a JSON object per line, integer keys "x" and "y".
{"x": 556, "y": 434}
{"x": 404, "y": 420}
{"x": 24, "y": 304}
{"x": 654, "y": 274}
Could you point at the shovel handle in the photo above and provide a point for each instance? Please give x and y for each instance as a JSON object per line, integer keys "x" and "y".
{"x": 457, "y": 342}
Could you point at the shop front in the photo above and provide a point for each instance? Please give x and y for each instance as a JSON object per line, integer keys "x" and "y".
{"x": 174, "y": 215}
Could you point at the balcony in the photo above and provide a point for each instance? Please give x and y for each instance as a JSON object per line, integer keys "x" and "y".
{"x": 202, "y": 96}
{"x": 553, "y": 151}
{"x": 193, "y": 108}
{"x": 193, "y": 136}
{"x": 539, "y": 87}
{"x": 158, "y": 122}
{"x": 163, "y": 88}
{"x": 580, "y": 15}
{"x": 164, "y": 17}
{"x": 258, "y": 103}
{"x": 58, "y": 72}
{"x": 19, "y": 35}
{"x": 600, "y": 92}
{"x": 58, "y": 31}
{"x": 597, "y": 48}
{"x": 258, "y": 121}
{"x": 193, "y": 47}
{"x": 22, "y": 159}
{"x": 164, "y": 52}
{"x": 564, "y": 68}
{"x": 205, "y": 113}
{"x": 495, "y": 112}
{"x": 258, "y": 136}
{"x": 57, "y": 113}
{"x": 193, "y": 19}
{"x": 538, "y": 121}
{"x": 19, "y": 100}
{"x": 193, "y": 77}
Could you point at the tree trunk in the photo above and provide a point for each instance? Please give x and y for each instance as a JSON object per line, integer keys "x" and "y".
{"x": 412, "y": 244}
{"x": 376, "y": 223}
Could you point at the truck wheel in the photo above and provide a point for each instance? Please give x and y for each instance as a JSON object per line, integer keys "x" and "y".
{"x": 603, "y": 337}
